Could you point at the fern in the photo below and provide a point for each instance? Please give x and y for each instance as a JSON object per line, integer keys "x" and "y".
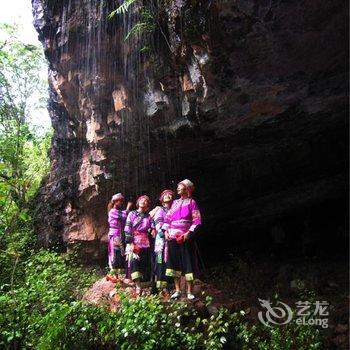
{"x": 146, "y": 49}
{"x": 137, "y": 28}
{"x": 147, "y": 24}
{"x": 122, "y": 9}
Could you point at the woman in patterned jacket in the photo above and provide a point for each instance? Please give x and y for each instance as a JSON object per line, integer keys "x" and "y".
{"x": 179, "y": 225}
{"x": 116, "y": 221}
{"x": 137, "y": 228}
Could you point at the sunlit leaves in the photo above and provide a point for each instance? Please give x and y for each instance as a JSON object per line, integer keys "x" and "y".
{"x": 145, "y": 25}
{"x": 23, "y": 153}
{"x": 122, "y": 9}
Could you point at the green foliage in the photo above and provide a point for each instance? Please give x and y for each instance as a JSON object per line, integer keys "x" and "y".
{"x": 122, "y": 9}
{"x": 41, "y": 309}
{"x": 144, "y": 28}
{"x": 23, "y": 153}
{"x": 46, "y": 283}
{"x": 249, "y": 335}
{"x": 143, "y": 323}
{"x": 36, "y": 162}
{"x": 73, "y": 326}
{"x": 151, "y": 21}
{"x": 139, "y": 28}
{"x": 15, "y": 249}
{"x": 20, "y": 80}
{"x": 148, "y": 20}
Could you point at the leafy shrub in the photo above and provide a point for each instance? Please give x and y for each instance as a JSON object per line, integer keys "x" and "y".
{"x": 46, "y": 281}
{"x": 143, "y": 323}
{"x": 248, "y": 335}
{"x": 73, "y": 326}
{"x": 45, "y": 312}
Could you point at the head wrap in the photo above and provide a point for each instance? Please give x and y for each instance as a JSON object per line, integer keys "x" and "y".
{"x": 117, "y": 196}
{"x": 188, "y": 184}
{"x": 161, "y": 197}
{"x": 142, "y": 197}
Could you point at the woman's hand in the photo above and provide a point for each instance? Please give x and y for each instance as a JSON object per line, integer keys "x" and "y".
{"x": 129, "y": 205}
{"x": 166, "y": 235}
{"x": 129, "y": 248}
{"x": 116, "y": 242}
{"x": 186, "y": 236}
{"x": 153, "y": 233}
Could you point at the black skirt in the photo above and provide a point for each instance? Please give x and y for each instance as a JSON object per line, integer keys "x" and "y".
{"x": 181, "y": 259}
{"x": 118, "y": 262}
{"x": 159, "y": 270}
{"x": 141, "y": 268}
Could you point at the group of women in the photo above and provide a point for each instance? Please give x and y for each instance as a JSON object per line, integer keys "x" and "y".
{"x": 171, "y": 226}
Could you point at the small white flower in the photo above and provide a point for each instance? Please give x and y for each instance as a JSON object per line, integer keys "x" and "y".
{"x": 126, "y": 334}
{"x": 83, "y": 329}
{"x": 242, "y": 312}
{"x": 177, "y": 324}
{"x": 223, "y": 340}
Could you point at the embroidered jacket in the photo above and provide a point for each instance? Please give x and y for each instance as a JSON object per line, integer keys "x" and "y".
{"x": 137, "y": 227}
{"x": 116, "y": 221}
{"x": 183, "y": 216}
{"x": 159, "y": 221}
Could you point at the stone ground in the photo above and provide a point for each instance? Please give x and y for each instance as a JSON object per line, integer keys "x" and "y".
{"x": 239, "y": 285}
{"x": 104, "y": 292}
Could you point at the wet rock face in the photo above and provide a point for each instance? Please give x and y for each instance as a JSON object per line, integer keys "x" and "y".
{"x": 248, "y": 99}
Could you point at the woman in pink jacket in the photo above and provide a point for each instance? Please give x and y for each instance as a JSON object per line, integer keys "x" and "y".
{"x": 116, "y": 220}
{"x": 179, "y": 225}
{"x": 139, "y": 225}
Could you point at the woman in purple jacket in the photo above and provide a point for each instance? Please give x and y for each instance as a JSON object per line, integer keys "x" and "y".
{"x": 116, "y": 220}
{"x": 180, "y": 222}
{"x": 138, "y": 226}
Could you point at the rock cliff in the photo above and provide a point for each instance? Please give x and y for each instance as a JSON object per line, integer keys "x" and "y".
{"x": 248, "y": 99}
